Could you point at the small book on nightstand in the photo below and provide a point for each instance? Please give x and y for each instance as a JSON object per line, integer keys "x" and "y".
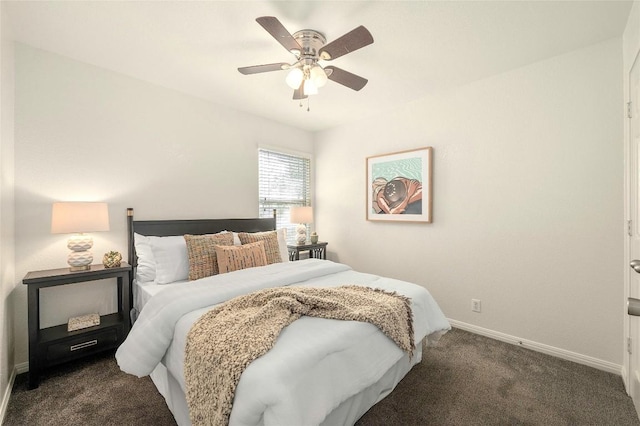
{"x": 84, "y": 321}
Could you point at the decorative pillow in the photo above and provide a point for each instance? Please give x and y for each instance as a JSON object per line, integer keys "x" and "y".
{"x": 170, "y": 255}
{"x": 282, "y": 243}
{"x": 233, "y": 258}
{"x": 236, "y": 240}
{"x": 271, "y": 247}
{"x": 146, "y": 265}
{"x": 202, "y": 253}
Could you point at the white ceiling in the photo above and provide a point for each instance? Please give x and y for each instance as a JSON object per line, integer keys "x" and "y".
{"x": 420, "y": 46}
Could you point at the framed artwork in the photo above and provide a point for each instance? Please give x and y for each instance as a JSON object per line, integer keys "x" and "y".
{"x": 399, "y": 186}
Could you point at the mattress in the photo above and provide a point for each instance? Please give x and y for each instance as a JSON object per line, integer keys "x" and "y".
{"x": 144, "y": 291}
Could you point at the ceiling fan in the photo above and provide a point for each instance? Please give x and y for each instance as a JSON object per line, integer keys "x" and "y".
{"x": 306, "y": 75}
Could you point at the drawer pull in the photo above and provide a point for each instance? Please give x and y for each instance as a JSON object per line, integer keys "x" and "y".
{"x": 84, "y": 345}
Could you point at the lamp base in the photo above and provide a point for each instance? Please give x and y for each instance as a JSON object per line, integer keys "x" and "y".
{"x": 80, "y": 260}
{"x": 301, "y": 231}
{"x": 79, "y": 268}
{"x": 80, "y": 257}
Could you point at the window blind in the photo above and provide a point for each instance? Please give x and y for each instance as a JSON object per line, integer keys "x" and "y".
{"x": 285, "y": 182}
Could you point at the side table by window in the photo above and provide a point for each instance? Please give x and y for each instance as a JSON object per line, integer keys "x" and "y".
{"x": 54, "y": 345}
{"x": 316, "y": 250}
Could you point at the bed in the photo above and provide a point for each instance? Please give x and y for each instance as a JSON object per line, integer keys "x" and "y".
{"x": 320, "y": 371}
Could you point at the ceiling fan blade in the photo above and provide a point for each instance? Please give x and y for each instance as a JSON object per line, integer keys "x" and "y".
{"x": 254, "y": 69}
{"x": 346, "y": 78}
{"x": 279, "y": 32}
{"x": 299, "y": 92}
{"x": 353, "y": 40}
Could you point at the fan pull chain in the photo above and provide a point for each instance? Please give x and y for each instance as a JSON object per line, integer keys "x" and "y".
{"x": 301, "y": 105}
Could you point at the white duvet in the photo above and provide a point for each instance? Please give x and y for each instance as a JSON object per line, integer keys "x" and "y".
{"x": 316, "y": 363}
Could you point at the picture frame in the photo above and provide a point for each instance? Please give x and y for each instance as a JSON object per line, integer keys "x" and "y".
{"x": 400, "y": 186}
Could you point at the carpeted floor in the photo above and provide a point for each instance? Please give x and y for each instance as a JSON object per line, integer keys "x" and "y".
{"x": 466, "y": 380}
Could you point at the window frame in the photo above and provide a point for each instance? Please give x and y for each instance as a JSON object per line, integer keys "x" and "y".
{"x": 265, "y": 208}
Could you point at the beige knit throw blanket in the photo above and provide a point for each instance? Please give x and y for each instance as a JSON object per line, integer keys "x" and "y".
{"x": 225, "y": 340}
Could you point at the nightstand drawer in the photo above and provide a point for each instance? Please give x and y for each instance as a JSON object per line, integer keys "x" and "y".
{"x": 87, "y": 342}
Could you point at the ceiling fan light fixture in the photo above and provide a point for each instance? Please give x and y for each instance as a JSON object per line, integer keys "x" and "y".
{"x": 294, "y": 78}
{"x": 309, "y": 46}
{"x": 310, "y": 88}
{"x": 318, "y": 76}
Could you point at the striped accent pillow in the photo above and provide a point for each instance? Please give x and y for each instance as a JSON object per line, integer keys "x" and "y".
{"x": 201, "y": 250}
{"x": 271, "y": 247}
{"x": 234, "y": 258}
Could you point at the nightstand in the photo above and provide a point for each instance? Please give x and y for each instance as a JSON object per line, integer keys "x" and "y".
{"x": 54, "y": 345}
{"x": 316, "y": 250}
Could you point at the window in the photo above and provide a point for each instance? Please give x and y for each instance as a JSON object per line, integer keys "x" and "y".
{"x": 285, "y": 182}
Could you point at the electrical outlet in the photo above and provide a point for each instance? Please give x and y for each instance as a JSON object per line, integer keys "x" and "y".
{"x": 475, "y": 305}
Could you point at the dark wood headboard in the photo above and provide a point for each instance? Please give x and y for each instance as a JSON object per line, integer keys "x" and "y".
{"x": 163, "y": 228}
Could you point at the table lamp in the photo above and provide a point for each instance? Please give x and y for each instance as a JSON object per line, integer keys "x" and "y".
{"x": 78, "y": 218}
{"x": 301, "y": 216}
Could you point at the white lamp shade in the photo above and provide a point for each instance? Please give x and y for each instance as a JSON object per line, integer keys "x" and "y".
{"x": 78, "y": 217}
{"x": 301, "y": 214}
{"x": 294, "y": 78}
{"x": 318, "y": 76}
{"x": 310, "y": 88}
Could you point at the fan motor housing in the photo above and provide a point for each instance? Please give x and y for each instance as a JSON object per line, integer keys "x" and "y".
{"x": 311, "y": 42}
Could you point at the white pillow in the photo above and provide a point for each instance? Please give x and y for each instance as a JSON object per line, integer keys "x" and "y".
{"x": 146, "y": 268}
{"x": 171, "y": 257}
{"x": 282, "y": 244}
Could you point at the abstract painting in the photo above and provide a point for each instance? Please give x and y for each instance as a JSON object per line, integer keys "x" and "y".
{"x": 399, "y": 186}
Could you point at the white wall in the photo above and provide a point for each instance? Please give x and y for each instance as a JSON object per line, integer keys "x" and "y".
{"x": 528, "y": 201}
{"x": 85, "y": 133}
{"x": 7, "y": 274}
{"x": 631, "y": 37}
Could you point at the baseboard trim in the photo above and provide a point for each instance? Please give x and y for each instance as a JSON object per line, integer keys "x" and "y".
{"x": 17, "y": 369}
{"x": 540, "y": 347}
{"x": 625, "y": 380}
{"x": 22, "y": 368}
{"x": 7, "y": 396}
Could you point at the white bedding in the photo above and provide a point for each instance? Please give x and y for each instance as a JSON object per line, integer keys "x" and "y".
{"x": 316, "y": 363}
{"x": 143, "y": 292}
